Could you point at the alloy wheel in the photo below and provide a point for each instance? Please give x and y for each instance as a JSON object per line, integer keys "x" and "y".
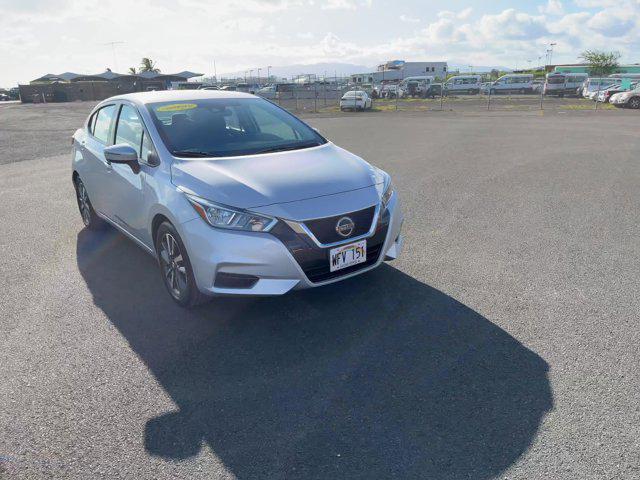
{"x": 173, "y": 266}
{"x": 83, "y": 202}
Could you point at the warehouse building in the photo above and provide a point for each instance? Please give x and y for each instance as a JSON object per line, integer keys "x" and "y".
{"x": 399, "y": 69}
{"x": 69, "y": 86}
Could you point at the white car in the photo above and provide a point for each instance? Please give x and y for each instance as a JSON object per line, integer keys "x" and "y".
{"x": 629, "y": 99}
{"x": 355, "y": 100}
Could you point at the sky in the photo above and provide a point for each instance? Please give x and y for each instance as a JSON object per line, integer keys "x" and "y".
{"x": 54, "y": 36}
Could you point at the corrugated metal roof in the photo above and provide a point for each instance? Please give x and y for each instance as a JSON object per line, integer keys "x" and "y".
{"x": 109, "y": 75}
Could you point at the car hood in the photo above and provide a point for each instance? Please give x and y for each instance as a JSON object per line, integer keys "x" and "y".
{"x": 268, "y": 179}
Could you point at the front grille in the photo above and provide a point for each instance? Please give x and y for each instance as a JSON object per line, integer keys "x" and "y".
{"x": 324, "y": 229}
{"x": 314, "y": 260}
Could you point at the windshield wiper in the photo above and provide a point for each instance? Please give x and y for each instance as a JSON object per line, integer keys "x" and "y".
{"x": 282, "y": 148}
{"x": 191, "y": 153}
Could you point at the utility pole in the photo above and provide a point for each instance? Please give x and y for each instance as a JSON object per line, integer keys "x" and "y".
{"x": 268, "y": 73}
{"x": 215, "y": 72}
{"x": 259, "y": 76}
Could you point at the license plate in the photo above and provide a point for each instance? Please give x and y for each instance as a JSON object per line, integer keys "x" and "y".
{"x": 348, "y": 255}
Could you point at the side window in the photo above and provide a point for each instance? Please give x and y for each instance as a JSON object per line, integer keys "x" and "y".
{"x": 147, "y": 147}
{"x": 103, "y": 123}
{"x": 129, "y": 128}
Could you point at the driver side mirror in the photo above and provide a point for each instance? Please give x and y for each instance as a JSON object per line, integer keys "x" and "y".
{"x": 121, "y": 153}
{"x": 124, "y": 154}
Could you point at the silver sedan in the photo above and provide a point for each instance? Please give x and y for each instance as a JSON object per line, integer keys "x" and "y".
{"x": 232, "y": 194}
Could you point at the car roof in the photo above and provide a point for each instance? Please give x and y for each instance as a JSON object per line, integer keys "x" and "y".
{"x": 144, "y": 98}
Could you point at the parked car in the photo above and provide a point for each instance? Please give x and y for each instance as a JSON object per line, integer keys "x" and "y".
{"x": 594, "y": 95}
{"x": 605, "y": 95}
{"x": 513, "y": 83}
{"x": 391, "y": 90}
{"x": 270, "y": 92}
{"x": 630, "y": 99}
{"x": 415, "y": 86}
{"x": 594, "y": 84}
{"x": 355, "y": 100}
{"x": 209, "y": 87}
{"x": 463, "y": 84}
{"x": 434, "y": 90}
{"x": 537, "y": 86}
{"x": 4, "y": 97}
{"x": 231, "y": 194}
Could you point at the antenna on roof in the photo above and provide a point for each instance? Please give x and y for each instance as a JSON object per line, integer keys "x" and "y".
{"x": 113, "y": 49}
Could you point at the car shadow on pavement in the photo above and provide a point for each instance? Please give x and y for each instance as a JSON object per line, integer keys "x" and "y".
{"x": 379, "y": 376}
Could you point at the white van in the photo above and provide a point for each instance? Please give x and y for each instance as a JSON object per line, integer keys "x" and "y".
{"x": 562, "y": 84}
{"x": 463, "y": 84}
{"x": 513, "y": 83}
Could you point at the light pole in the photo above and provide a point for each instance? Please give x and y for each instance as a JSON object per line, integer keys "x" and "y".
{"x": 551, "y": 52}
{"x": 268, "y": 73}
{"x": 259, "y": 75}
{"x": 250, "y": 75}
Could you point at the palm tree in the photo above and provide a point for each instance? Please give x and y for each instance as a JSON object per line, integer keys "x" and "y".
{"x": 148, "y": 65}
{"x": 132, "y": 70}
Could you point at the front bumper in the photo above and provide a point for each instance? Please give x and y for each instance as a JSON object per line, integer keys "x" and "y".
{"x": 277, "y": 266}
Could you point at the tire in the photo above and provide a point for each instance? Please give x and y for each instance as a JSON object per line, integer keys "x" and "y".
{"x": 634, "y": 103}
{"x": 89, "y": 216}
{"x": 175, "y": 268}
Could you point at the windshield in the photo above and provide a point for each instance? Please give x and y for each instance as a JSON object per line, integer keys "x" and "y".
{"x": 555, "y": 80}
{"x": 226, "y": 127}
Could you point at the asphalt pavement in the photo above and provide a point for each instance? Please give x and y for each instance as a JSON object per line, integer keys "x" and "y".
{"x": 503, "y": 344}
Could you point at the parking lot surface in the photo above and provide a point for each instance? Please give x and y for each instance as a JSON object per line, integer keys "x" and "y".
{"x": 503, "y": 344}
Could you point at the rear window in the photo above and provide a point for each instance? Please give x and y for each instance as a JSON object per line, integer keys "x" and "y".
{"x": 555, "y": 80}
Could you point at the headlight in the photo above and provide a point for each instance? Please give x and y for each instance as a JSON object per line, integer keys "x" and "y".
{"x": 388, "y": 193}
{"x": 228, "y": 218}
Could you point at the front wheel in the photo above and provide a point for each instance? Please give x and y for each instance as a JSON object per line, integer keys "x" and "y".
{"x": 89, "y": 216}
{"x": 175, "y": 267}
{"x": 634, "y": 103}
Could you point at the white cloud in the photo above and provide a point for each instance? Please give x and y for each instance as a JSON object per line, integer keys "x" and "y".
{"x": 612, "y": 23}
{"x": 553, "y": 7}
{"x": 345, "y": 4}
{"x": 408, "y": 19}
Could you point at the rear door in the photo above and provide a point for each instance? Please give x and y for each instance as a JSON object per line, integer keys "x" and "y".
{"x": 99, "y": 137}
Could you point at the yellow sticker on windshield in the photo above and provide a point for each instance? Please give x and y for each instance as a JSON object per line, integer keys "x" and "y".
{"x": 177, "y": 107}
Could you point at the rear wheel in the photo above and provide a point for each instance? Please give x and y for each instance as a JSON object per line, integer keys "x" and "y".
{"x": 89, "y": 216}
{"x": 175, "y": 267}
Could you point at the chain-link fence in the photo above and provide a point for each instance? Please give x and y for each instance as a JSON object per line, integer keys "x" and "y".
{"x": 326, "y": 98}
